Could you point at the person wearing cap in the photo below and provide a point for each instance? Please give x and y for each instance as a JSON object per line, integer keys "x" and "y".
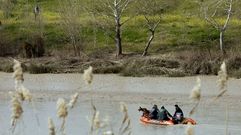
{"x": 154, "y": 112}
{"x": 164, "y": 114}
{"x": 178, "y": 115}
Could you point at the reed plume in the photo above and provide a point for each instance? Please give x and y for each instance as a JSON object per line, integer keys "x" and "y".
{"x": 125, "y": 127}
{"x": 222, "y": 80}
{"x": 88, "y": 75}
{"x": 20, "y": 94}
{"x": 222, "y": 77}
{"x": 196, "y": 91}
{"x": 17, "y": 110}
{"x": 73, "y": 100}
{"x": 18, "y": 72}
{"x": 61, "y": 108}
{"x": 24, "y": 93}
{"x": 62, "y": 112}
{"x": 96, "y": 120}
{"x": 195, "y": 95}
{"x": 189, "y": 129}
{"x": 108, "y": 133}
{"x": 92, "y": 126}
{"x": 51, "y": 126}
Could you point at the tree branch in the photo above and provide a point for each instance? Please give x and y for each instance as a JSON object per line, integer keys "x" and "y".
{"x": 126, "y": 21}
{"x": 229, "y": 15}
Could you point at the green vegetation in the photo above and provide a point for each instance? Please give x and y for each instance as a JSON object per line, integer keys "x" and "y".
{"x": 182, "y": 30}
{"x": 178, "y": 29}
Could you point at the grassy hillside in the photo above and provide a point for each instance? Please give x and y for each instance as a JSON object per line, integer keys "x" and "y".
{"x": 184, "y": 43}
{"x": 182, "y": 27}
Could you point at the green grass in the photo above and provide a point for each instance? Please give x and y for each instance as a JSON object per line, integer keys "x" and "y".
{"x": 176, "y": 30}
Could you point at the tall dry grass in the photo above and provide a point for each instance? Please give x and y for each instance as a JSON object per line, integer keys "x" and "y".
{"x": 189, "y": 129}
{"x": 195, "y": 95}
{"x": 222, "y": 80}
{"x": 223, "y": 88}
{"x": 19, "y": 95}
{"x": 51, "y": 126}
{"x": 98, "y": 125}
{"x": 21, "y": 91}
{"x": 88, "y": 75}
{"x": 17, "y": 111}
{"x": 125, "y": 127}
{"x": 18, "y": 73}
{"x": 63, "y": 109}
{"x": 62, "y": 112}
{"x": 73, "y": 100}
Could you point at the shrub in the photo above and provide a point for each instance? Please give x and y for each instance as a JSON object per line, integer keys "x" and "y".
{"x": 38, "y": 69}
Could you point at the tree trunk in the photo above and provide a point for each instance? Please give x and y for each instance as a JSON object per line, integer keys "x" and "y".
{"x": 74, "y": 46}
{"x": 118, "y": 37}
{"x": 221, "y": 41}
{"x": 149, "y": 42}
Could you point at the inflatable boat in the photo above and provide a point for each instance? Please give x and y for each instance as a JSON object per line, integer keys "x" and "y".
{"x": 169, "y": 122}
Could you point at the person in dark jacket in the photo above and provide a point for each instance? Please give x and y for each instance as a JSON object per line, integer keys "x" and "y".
{"x": 154, "y": 112}
{"x": 164, "y": 114}
{"x": 178, "y": 115}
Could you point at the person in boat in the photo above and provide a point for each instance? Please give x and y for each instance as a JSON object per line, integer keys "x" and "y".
{"x": 164, "y": 114}
{"x": 178, "y": 115}
{"x": 154, "y": 112}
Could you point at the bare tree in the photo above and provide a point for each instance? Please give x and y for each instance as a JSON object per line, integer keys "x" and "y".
{"x": 69, "y": 11}
{"x": 151, "y": 10}
{"x": 36, "y": 11}
{"x": 210, "y": 12}
{"x": 113, "y": 10}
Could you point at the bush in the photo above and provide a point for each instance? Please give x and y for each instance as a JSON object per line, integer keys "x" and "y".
{"x": 236, "y": 74}
{"x": 7, "y": 68}
{"x": 39, "y": 69}
{"x": 151, "y": 66}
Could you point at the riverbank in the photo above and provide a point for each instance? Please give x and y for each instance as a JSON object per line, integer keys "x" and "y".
{"x": 171, "y": 64}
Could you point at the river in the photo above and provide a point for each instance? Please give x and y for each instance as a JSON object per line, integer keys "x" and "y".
{"x": 213, "y": 117}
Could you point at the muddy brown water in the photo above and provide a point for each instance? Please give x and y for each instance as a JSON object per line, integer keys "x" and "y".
{"x": 213, "y": 118}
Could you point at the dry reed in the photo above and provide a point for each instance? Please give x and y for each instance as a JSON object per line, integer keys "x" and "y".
{"x": 96, "y": 120}
{"x": 17, "y": 110}
{"x": 22, "y": 92}
{"x": 88, "y": 75}
{"x": 189, "y": 129}
{"x": 222, "y": 76}
{"x": 125, "y": 127}
{"x": 16, "y": 96}
{"x": 195, "y": 95}
{"x": 92, "y": 126}
{"x": 222, "y": 80}
{"x": 18, "y": 72}
{"x": 196, "y": 91}
{"x": 97, "y": 124}
{"x": 62, "y": 112}
{"x": 108, "y": 133}
{"x": 61, "y": 108}
{"x": 51, "y": 126}
{"x": 73, "y": 100}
